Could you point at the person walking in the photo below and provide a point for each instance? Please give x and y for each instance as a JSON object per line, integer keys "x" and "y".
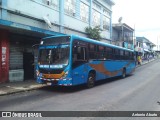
{"x": 139, "y": 59}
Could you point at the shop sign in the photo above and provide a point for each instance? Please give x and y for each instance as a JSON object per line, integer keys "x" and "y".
{"x": 4, "y": 51}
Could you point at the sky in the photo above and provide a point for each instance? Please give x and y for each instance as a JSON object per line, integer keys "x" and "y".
{"x": 143, "y": 15}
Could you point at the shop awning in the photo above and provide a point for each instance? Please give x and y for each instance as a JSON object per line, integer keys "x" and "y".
{"x": 146, "y": 50}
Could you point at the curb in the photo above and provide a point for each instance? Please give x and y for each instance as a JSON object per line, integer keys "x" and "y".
{"x": 2, "y": 93}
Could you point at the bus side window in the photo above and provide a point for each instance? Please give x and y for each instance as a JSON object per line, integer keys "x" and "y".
{"x": 109, "y": 53}
{"x": 79, "y": 56}
{"x": 121, "y": 54}
{"x": 126, "y": 55}
{"x": 117, "y": 54}
{"x": 74, "y": 57}
{"x": 92, "y": 51}
{"x": 101, "y": 52}
{"x": 79, "y": 53}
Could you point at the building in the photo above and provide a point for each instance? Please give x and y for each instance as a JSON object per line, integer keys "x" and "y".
{"x": 139, "y": 48}
{"x": 122, "y": 35}
{"x": 157, "y": 47}
{"x": 24, "y": 22}
{"x": 144, "y": 47}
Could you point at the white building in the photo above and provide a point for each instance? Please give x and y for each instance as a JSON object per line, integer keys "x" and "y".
{"x": 144, "y": 47}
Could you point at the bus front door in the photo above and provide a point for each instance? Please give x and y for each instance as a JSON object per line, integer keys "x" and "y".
{"x": 79, "y": 65}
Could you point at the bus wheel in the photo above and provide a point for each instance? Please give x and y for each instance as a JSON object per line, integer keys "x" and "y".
{"x": 124, "y": 73}
{"x": 91, "y": 80}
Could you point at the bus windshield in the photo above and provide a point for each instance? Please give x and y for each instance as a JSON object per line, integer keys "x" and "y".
{"x": 54, "y": 56}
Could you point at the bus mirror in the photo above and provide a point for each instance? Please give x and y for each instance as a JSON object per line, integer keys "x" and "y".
{"x": 35, "y": 50}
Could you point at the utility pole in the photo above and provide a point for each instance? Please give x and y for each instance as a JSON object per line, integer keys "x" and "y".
{"x": 134, "y": 38}
{"x": 158, "y": 43}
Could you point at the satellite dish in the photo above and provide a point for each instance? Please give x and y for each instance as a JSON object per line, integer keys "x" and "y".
{"x": 120, "y": 20}
{"x": 46, "y": 19}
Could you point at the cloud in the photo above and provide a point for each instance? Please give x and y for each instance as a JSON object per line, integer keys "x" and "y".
{"x": 143, "y": 14}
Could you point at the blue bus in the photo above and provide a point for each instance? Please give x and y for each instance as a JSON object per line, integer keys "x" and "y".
{"x": 71, "y": 60}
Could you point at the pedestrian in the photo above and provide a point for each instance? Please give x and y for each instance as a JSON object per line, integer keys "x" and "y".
{"x": 139, "y": 60}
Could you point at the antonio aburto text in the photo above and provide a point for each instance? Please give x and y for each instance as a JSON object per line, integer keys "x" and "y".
{"x": 145, "y": 115}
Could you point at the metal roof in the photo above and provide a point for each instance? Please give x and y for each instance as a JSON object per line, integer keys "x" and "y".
{"x": 118, "y": 26}
{"x": 144, "y": 40}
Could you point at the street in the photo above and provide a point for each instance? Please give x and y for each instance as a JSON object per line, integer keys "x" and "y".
{"x": 137, "y": 92}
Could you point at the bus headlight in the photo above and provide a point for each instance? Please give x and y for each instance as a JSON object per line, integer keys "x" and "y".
{"x": 37, "y": 72}
{"x": 66, "y": 73}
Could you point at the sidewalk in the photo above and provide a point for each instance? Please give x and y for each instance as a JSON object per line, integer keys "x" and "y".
{"x": 145, "y": 62}
{"x": 15, "y": 87}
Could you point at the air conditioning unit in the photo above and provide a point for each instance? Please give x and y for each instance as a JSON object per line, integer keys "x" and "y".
{"x": 16, "y": 75}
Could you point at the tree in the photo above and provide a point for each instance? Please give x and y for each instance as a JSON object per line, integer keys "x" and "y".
{"x": 93, "y": 33}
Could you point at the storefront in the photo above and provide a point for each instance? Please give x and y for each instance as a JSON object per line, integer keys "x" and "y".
{"x": 16, "y": 56}
{"x": 147, "y": 54}
{"x": 21, "y": 59}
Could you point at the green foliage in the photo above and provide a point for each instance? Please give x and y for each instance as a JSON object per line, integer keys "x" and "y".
{"x": 93, "y": 33}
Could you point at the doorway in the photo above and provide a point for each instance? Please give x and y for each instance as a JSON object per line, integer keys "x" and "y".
{"x": 28, "y": 65}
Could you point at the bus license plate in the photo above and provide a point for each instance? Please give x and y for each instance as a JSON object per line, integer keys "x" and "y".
{"x": 49, "y": 83}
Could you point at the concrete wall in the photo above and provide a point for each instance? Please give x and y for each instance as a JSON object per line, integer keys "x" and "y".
{"x": 78, "y": 25}
{"x": 34, "y": 11}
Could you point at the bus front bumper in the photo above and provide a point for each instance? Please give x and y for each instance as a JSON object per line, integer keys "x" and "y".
{"x": 54, "y": 82}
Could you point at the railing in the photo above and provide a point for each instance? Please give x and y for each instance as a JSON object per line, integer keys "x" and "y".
{"x": 125, "y": 39}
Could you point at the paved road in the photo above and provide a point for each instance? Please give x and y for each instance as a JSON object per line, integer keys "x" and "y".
{"x": 138, "y": 92}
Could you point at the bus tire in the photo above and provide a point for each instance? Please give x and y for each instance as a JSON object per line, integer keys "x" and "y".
{"x": 91, "y": 80}
{"x": 124, "y": 73}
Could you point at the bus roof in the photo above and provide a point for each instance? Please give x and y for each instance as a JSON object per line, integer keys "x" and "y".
{"x": 54, "y": 36}
{"x": 91, "y": 41}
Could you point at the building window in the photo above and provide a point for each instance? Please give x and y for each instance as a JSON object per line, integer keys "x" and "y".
{"x": 106, "y": 23}
{"x": 55, "y": 4}
{"x": 84, "y": 12}
{"x": 70, "y": 7}
{"x": 48, "y": 2}
{"x": 105, "y": 12}
{"x": 96, "y": 18}
{"x": 52, "y": 3}
{"x": 137, "y": 44}
{"x": 98, "y": 7}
